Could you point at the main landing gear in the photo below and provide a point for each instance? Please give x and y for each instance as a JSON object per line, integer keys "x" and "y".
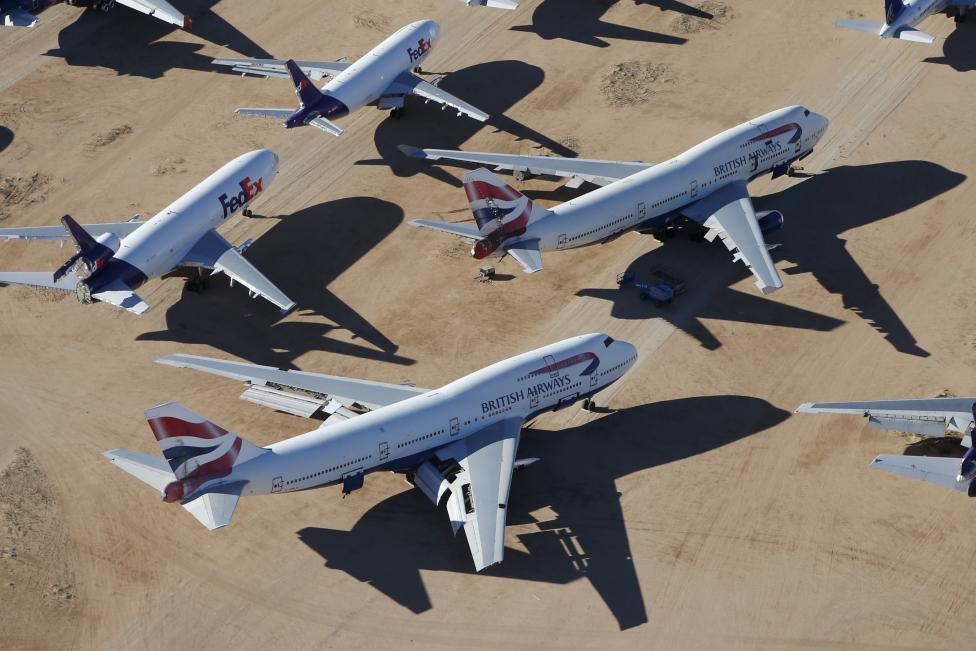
{"x": 589, "y": 404}
{"x": 199, "y": 282}
{"x": 396, "y": 113}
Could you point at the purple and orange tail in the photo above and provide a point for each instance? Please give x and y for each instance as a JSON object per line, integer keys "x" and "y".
{"x": 307, "y": 93}
{"x": 196, "y": 449}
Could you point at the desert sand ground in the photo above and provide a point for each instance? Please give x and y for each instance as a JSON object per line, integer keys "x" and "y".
{"x": 697, "y": 513}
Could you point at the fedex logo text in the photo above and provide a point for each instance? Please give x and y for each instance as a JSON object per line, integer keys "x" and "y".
{"x": 249, "y": 190}
{"x": 423, "y": 46}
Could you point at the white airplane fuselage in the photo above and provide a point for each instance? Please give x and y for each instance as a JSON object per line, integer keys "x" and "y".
{"x": 915, "y": 12}
{"x": 402, "y": 435}
{"x": 368, "y": 78}
{"x": 161, "y": 244}
{"x": 652, "y": 198}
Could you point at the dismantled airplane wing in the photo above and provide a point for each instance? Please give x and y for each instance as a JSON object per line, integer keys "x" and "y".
{"x": 942, "y": 471}
{"x": 930, "y": 417}
{"x": 577, "y": 170}
{"x": 159, "y": 9}
{"x": 728, "y": 214}
{"x": 299, "y": 392}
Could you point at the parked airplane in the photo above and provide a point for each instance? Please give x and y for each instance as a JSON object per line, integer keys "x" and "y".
{"x": 706, "y": 185}
{"x": 933, "y": 417}
{"x": 382, "y": 77}
{"x": 901, "y": 17}
{"x": 22, "y": 13}
{"x": 113, "y": 260}
{"x": 456, "y": 443}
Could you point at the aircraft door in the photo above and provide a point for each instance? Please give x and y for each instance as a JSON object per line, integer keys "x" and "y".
{"x": 276, "y": 484}
{"x": 455, "y": 427}
{"x": 561, "y": 241}
{"x": 693, "y": 189}
{"x": 384, "y": 451}
{"x": 641, "y": 212}
{"x": 551, "y": 364}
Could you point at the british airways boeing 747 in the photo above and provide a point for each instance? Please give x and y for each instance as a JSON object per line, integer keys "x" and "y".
{"x": 456, "y": 444}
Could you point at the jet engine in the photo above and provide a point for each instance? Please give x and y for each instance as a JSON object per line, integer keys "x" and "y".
{"x": 769, "y": 221}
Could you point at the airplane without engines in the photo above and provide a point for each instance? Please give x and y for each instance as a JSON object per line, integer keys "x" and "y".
{"x": 930, "y": 418}
{"x": 456, "y": 444}
{"x": 23, "y": 13}
{"x": 113, "y": 260}
{"x": 383, "y": 76}
{"x": 704, "y": 186}
{"x": 902, "y": 16}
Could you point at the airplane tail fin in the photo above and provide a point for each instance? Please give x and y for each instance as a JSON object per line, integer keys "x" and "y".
{"x": 90, "y": 250}
{"x": 196, "y": 450}
{"x": 892, "y": 9}
{"x": 498, "y": 207}
{"x": 307, "y": 93}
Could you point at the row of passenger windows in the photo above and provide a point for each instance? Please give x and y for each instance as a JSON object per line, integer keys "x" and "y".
{"x": 669, "y": 199}
{"x": 420, "y": 438}
{"x": 605, "y": 226}
{"x": 327, "y": 470}
{"x": 618, "y": 366}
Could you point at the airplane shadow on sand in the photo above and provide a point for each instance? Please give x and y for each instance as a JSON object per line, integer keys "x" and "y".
{"x": 581, "y": 21}
{"x": 6, "y": 137}
{"x": 818, "y": 211}
{"x": 677, "y": 7}
{"x": 493, "y": 87}
{"x": 575, "y": 480}
{"x": 302, "y": 256}
{"x": 128, "y": 42}
{"x": 959, "y": 48}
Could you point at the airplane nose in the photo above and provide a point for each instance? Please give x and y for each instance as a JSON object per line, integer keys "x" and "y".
{"x": 629, "y": 351}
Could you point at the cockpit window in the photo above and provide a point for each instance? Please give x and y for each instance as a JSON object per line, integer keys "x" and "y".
{"x": 608, "y": 341}
{"x": 806, "y": 112}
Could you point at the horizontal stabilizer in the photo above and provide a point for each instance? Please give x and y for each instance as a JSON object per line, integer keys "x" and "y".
{"x": 66, "y": 283}
{"x": 868, "y": 26}
{"x": 144, "y": 467}
{"x": 215, "y": 508}
{"x": 326, "y": 125}
{"x": 118, "y": 294}
{"x": 526, "y": 253}
{"x": 915, "y": 36}
{"x": 941, "y": 471}
{"x": 467, "y": 231}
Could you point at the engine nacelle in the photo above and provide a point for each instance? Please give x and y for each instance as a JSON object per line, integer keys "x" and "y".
{"x": 110, "y": 241}
{"x": 485, "y": 247}
{"x": 769, "y": 221}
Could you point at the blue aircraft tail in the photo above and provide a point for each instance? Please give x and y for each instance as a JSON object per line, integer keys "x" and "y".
{"x": 307, "y": 93}
{"x": 892, "y": 9}
{"x": 89, "y": 249}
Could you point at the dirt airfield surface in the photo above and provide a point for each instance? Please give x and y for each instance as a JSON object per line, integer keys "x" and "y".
{"x": 695, "y": 511}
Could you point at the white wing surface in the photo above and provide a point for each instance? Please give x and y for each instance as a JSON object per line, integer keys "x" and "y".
{"x": 410, "y": 84}
{"x": 578, "y": 170}
{"x": 121, "y": 229}
{"x": 44, "y": 279}
{"x": 215, "y": 508}
{"x": 298, "y": 392}
{"x": 931, "y": 417}
{"x": 119, "y": 294}
{"x": 941, "y": 471}
{"x": 160, "y": 9}
{"x": 154, "y": 471}
{"x": 276, "y": 113}
{"x": 276, "y": 67}
{"x": 526, "y": 253}
{"x": 479, "y": 494}
{"x": 729, "y": 215}
{"x": 214, "y": 252}
{"x": 466, "y": 231}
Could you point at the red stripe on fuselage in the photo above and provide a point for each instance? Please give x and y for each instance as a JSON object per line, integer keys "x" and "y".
{"x": 778, "y": 131}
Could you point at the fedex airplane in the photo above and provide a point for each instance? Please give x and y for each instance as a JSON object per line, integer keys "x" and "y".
{"x": 21, "y": 13}
{"x": 930, "y": 418}
{"x": 457, "y": 443}
{"x": 113, "y": 260}
{"x": 706, "y": 185}
{"x": 382, "y": 77}
{"x": 901, "y": 17}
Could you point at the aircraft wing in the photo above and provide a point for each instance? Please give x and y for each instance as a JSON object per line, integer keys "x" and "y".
{"x": 479, "y": 493}
{"x": 17, "y": 18}
{"x": 578, "y": 170}
{"x": 121, "y": 229}
{"x": 160, "y": 9}
{"x": 278, "y": 114}
{"x": 214, "y": 252}
{"x": 729, "y": 215}
{"x": 931, "y": 417}
{"x": 121, "y": 295}
{"x": 44, "y": 279}
{"x": 935, "y": 470}
{"x": 464, "y": 231}
{"x": 410, "y": 84}
{"x": 298, "y": 392}
{"x": 526, "y": 253}
{"x": 276, "y": 67}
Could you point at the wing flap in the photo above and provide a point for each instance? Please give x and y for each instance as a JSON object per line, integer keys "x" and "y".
{"x": 410, "y": 84}
{"x": 598, "y": 172}
{"x": 276, "y": 67}
{"x": 941, "y": 471}
{"x": 729, "y": 215}
{"x": 371, "y": 395}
